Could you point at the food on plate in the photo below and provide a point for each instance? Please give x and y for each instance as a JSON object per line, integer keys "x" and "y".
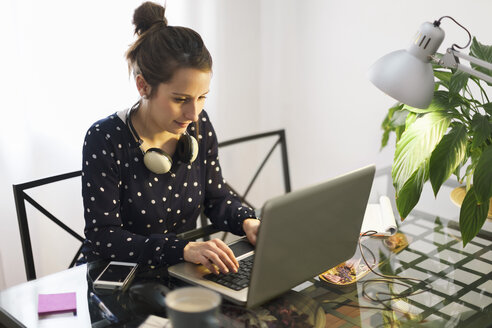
{"x": 397, "y": 242}
{"x": 346, "y": 272}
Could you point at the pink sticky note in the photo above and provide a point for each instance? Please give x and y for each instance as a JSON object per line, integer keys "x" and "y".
{"x": 57, "y": 303}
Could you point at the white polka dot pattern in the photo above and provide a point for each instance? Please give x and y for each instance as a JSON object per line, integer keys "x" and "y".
{"x": 134, "y": 215}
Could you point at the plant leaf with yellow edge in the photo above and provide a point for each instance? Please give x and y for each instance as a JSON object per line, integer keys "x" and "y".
{"x": 416, "y": 145}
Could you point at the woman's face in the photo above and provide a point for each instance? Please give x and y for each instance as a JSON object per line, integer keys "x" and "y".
{"x": 178, "y": 102}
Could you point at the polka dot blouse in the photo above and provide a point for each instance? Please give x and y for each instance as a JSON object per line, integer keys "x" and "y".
{"x": 132, "y": 214}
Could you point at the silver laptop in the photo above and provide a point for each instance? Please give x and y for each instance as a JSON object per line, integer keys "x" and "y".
{"x": 302, "y": 234}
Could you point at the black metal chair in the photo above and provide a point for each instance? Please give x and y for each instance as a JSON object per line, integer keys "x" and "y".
{"x": 20, "y": 197}
{"x": 206, "y": 229}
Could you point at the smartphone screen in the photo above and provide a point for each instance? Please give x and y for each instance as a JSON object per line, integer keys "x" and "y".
{"x": 117, "y": 273}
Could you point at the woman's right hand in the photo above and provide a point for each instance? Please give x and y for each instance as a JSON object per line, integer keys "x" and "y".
{"x": 214, "y": 254}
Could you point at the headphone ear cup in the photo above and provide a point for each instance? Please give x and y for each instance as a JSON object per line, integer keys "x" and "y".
{"x": 157, "y": 161}
{"x": 187, "y": 148}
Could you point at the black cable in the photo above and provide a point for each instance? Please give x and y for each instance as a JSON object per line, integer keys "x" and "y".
{"x": 385, "y": 279}
{"x": 388, "y": 279}
{"x": 438, "y": 22}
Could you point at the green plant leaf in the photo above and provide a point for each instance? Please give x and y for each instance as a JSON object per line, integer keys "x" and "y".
{"x": 472, "y": 101}
{"x": 457, "y": 172}
{"x": 390, "y": 123}
{"x": 482, "y": 176}
{"x": 384, "y": 139}
{"x": 447, "y": 155}
{"x": 409, "y": 194}
{"x": 458, "y": 81}
{"x": 482, "y": 129}
{"x": 469, "y": 173}
{"x": 474, "y": 156}
{"x": 391, "y": 111}
{"x": 482, "y": 52}
{"x": 411, "y": 118}
{"x": 416, "y": 145}
{"x": 398, "y": 118}
{"x": 417, "y": 110}
{"x": 444, "y": 76}
{"x": 437, "y": 104}
{"x": 446, "y": 100}
{"x": 472, "y": 216}
{"x": 399, "y": 131}
{"x": 488, "y": 108}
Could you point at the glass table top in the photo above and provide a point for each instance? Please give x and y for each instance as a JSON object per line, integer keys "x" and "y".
{"x": 458, "y": 280}
{"x": 460, "y": 293}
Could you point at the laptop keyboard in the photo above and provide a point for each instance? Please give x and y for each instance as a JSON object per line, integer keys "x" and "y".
{"x": 238, "y": 280}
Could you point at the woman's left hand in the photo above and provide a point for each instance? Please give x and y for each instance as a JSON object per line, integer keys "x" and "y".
{"x": 250, "y": 227}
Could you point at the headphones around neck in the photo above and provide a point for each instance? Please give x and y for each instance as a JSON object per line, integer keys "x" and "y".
{"x": 156, "y": 159}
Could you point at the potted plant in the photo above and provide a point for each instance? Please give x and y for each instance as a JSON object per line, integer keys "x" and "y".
{"x": 453, "y": 136}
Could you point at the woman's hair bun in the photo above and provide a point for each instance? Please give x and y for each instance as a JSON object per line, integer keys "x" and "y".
{"x": 148, "y": 14}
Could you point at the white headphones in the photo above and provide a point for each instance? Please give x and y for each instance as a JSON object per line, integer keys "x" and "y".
{"x": 157, "y": 160}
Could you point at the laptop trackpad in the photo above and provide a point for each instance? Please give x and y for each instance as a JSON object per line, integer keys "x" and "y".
{"x": 241, "y": 246}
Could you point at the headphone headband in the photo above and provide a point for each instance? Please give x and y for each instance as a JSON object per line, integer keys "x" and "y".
{"x": 156, "y": 159}
{"x": 130, "y": 124}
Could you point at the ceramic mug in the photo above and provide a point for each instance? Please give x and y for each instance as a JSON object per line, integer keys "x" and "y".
{"x": 191, "y": 307}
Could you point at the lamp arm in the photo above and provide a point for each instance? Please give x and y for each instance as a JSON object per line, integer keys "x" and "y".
{"x": 473, "y": 60}
{"x": 475, "y": 73}
{"x": 450, "y": 60}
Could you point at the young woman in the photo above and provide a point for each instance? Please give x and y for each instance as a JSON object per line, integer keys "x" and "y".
{"x": 150, "y": 170}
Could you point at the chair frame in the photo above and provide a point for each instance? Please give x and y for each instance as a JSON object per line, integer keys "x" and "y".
{"x": 283, "y": 144}
{"x": 20, "y": 197}
{"x": 207, "y": 230}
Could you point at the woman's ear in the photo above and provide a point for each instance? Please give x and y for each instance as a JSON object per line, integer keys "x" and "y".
{"x": 142, "y": 86}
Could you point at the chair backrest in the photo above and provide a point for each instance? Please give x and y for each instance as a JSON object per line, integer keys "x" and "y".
{"x": 21, "y": 197}
{"x": 279, "y": 142}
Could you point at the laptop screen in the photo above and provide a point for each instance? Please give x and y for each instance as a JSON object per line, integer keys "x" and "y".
{"x": 308, "y": 231}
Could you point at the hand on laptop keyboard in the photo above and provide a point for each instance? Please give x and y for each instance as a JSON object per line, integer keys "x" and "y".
{"x": 214, "y": 254}
{"x": 236, "y": 281}
{"x": 250, "y": 227}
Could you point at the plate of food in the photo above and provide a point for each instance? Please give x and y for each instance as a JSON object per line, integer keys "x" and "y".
{"x": 346, "y": 273}
{"x": 396, "y": 242}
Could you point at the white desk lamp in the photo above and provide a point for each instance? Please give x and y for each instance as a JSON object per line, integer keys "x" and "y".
{"x": 407, "y": 75}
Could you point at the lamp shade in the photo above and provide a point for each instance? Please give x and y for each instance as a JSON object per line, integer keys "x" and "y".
{"x": 405, "y": 78}
{"x": 407, "y": 75}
